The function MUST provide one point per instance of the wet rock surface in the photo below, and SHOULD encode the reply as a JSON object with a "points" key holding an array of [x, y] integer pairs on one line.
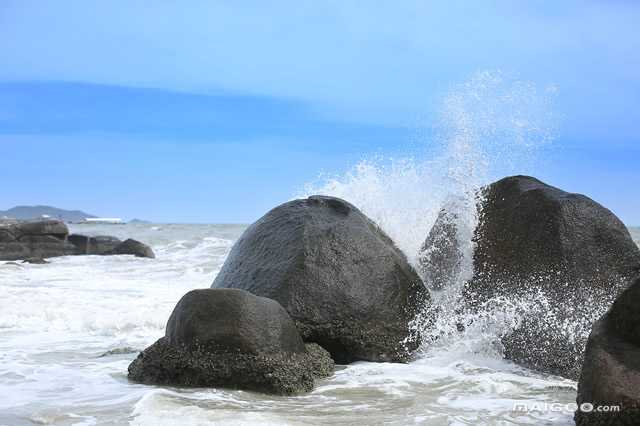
{"points": [[231, 338], [611, 370], [101, 244], [343, 281], [35, 261], [554, 259], [133, 247], [41, 239]]}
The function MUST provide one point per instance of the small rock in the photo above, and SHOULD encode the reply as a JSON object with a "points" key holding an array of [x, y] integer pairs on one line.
{"points": [[231, 338]]}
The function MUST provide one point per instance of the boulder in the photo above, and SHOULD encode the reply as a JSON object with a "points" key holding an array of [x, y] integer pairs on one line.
{"points": [[10, 248], [14, 250], [231, 338], [45, 246], [133, 247], [441, 260], [81, 242], [30, 246], [46, 238], [103, 244], [55, 228], [530, 229], [98, 245], [440, 256], [556, 259], [562, 254], [611, 370], [7, 235], [342, 280]]}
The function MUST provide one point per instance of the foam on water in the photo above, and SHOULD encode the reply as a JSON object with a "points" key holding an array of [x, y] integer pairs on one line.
{"points": [[59, 320]]}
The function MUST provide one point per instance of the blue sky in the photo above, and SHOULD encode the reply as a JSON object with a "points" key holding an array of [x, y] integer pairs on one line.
{"points": [[217, 111]]}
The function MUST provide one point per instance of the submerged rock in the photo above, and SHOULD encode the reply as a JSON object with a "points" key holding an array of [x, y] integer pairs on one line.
{"points": [[133, 247], [341, 278], [231, 338], [554, 260], [35, 261], [611, 370], [119, 351]]}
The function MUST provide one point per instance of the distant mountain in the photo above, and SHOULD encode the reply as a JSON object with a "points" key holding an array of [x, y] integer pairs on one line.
{"points": [[34, 212]]}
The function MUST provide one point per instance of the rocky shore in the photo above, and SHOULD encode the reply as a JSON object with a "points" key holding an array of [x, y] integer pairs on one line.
{"points": [[42, 239], [314, 281]]}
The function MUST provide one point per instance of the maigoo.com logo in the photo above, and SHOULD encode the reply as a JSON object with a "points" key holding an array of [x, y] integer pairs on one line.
{"points": [[585, 407]]}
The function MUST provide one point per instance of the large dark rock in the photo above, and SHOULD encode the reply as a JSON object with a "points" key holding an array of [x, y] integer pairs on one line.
{"points": [[98, 245], [133, 247], [562, 255], [441, 256], [556, 260], [45, 246], [103, 244], [530, 229], [81, 242], [34, 239], [7, 235], [54, 228], [342, 280], [14, 250], [611, 370], [231, 338]]}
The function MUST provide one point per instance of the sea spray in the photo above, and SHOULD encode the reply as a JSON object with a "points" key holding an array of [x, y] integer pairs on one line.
{"points": [[487, 127]]}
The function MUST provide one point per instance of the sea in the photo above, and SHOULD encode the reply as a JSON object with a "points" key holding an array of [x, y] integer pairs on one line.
{"points": [[70, 328]]}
